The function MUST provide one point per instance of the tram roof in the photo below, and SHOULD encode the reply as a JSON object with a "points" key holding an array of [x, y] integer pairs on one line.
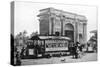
{"points": [[54, 37]]}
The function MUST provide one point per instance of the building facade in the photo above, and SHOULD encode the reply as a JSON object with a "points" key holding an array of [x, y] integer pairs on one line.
{"points": [[62, 23]]}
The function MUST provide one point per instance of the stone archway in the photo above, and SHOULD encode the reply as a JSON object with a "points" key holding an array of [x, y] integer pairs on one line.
{"points": [[69, 31]]}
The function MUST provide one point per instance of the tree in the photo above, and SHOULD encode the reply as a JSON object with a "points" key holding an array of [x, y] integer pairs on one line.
{"points": [[94, 37], [34, 35]]}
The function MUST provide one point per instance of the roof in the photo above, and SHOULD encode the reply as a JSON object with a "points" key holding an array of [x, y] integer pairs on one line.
{"points": [[61, 12], [93, 31], [54, 37]]}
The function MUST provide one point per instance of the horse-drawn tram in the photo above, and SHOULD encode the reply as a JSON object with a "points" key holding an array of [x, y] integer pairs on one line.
{"points": [[47, 48]]}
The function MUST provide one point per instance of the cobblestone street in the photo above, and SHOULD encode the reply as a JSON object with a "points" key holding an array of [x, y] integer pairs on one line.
{"points": [[66, 59]]}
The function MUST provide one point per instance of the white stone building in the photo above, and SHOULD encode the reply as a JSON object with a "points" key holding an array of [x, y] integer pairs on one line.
{"points": [[54, 21]]}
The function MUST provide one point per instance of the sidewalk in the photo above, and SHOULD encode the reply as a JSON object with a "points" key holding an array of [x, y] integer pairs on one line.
{"points": [[66, 59]]}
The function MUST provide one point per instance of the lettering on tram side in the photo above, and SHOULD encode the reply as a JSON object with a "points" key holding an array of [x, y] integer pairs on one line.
{"points": [[56, 45], [53, 45]]}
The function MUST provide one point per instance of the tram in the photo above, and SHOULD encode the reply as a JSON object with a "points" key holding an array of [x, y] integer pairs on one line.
{"points": [[92, 46], [48, 48]]}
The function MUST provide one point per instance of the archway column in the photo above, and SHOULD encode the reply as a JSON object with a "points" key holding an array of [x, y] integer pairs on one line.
{"points": [[62, 25], [84, 32], [76, 31]]}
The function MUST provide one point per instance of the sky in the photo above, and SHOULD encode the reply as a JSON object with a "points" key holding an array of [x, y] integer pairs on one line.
{"points": [[26, 15]]}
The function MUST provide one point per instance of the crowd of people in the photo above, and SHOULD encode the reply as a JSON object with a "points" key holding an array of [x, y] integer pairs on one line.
{"points": [[76, 50]]}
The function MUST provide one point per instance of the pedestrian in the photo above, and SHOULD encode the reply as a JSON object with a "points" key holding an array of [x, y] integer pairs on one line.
{"points": [[22, 52], [70, 48], [79, 50], [73, 50], [76, 49], [18, 59]]}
